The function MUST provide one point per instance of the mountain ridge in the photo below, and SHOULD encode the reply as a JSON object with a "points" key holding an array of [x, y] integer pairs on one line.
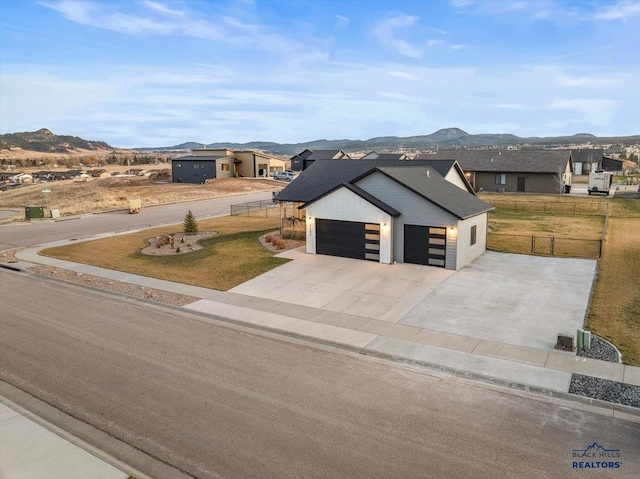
{"points": [[44, 141], [445, 138]]}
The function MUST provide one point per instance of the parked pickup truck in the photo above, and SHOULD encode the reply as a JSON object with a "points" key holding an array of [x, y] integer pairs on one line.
{"points": [[599, 182], [284, 175]]}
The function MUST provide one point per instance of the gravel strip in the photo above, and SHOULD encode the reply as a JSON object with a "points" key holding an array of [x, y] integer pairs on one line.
{"points": [[605, 390], [128, 289], [600, 349]]}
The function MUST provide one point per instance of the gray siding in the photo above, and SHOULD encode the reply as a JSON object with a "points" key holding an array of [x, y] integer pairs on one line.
{"points": [[192, 171], [534, 182], [415, 211]]}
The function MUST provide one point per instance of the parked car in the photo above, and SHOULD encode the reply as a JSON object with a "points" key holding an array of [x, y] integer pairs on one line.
{"points": [[284, 175]]}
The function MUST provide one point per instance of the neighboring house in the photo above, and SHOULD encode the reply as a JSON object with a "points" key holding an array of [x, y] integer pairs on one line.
{"points": [[390, 211], [512, 171], [586, 160], [611, 164], [304, 160], [208, 163], [384, 156]]}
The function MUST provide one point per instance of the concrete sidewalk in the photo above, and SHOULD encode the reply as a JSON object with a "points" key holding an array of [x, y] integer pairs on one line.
{"points": [[30, 451], [509, 364]]}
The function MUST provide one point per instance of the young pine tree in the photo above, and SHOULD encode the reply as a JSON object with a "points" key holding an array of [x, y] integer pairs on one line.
{"points": [[190, 224]]}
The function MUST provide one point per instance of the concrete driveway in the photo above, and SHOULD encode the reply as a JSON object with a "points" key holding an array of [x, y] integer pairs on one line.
{"points": [[507, 298]]}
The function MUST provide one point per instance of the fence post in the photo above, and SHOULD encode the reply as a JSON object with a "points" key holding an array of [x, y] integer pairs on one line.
{"points": [[600, 252], [533, 244], [553, 239]]}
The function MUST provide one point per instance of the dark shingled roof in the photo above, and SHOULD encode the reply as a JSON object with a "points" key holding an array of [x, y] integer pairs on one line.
{"points": [[390, 156], [437, 190], [587, 155], [325, 175], [322, 154], [362, 194], [505, 161]]}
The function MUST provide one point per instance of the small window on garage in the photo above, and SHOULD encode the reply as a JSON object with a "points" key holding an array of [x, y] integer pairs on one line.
{"points": [[224, 167], [501, 178], [474, 232]]}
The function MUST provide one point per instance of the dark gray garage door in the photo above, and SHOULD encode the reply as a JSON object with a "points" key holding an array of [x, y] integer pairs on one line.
{"points": [[425, 245], [348, 239]]}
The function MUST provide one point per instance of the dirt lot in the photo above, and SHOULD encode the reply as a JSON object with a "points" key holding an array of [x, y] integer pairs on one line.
{"points": [[74, 197]]}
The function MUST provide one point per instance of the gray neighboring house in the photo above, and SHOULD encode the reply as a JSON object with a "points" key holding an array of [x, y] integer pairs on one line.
{"points": [[586, 160], [199, 169], [391, 211], [611, 164], [305, 159], [512, 171]]}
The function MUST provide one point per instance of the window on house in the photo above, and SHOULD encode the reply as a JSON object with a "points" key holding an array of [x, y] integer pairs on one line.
{"points": [[224, 167], [474, 233], [501, 178]]}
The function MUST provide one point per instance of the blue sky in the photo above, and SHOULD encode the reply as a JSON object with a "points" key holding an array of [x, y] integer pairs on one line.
{"points": [[158, 73]]}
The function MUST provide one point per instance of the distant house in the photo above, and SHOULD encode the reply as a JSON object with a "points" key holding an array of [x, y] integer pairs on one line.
{"points": [[390, 211], [304, 160], [209, 163], [586, 160], [372, 155], [512, 171], [8, 176], [611, 164]]}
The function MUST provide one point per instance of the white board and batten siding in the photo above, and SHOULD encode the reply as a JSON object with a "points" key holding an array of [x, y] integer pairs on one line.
{"points": [[415, 211], [344, 205]]}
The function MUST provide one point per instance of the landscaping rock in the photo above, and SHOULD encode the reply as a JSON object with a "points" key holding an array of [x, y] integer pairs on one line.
{"points": [[600, 349], [605, 390]]}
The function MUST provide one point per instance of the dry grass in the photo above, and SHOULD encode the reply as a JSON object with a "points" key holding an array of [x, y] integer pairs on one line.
{"points": [[565, 235], [75, 197], [226, 260], [615, 307]]}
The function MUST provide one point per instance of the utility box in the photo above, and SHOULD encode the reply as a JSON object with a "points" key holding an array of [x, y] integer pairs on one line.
{"points": [[134, 205], [33, 212], [599, 182]]}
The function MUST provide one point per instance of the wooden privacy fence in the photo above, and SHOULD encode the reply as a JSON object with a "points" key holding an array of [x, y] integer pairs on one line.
{"points": [[545, 245], [597, 208]]}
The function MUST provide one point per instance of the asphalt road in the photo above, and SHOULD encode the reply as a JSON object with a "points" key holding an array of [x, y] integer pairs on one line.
{"points": [[36, 232], [219, 402]]}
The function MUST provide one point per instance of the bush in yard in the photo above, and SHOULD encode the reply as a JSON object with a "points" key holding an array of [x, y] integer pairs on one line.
{"points": [[280, 244], [274, 240], [268, 238], [190, 224], [181, 240], [178, 249]]}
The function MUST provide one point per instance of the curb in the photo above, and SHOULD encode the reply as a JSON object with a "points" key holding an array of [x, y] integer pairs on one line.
{"points": [[461, 374], [96, 442]]}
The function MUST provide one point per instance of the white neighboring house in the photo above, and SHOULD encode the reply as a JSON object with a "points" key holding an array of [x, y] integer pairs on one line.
{"points": [[391, 211]]}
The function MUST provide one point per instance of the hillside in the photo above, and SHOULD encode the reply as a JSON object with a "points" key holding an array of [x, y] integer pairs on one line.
{"points": [[444, 138], [44, 141]]}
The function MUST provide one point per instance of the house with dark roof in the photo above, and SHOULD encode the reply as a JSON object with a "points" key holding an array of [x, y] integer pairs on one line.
{"points": [[586, 160], [391, 211], [374, 155], [611, 164], [512, 171], [209, 163], [305, 159]]}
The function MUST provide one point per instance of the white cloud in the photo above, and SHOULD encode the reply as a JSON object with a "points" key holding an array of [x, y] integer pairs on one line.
{"points": [[159, 7], [386, 33], [342, 21], [434, 42], [401, 74], [457, 46], [597, 112], [623, 10]]}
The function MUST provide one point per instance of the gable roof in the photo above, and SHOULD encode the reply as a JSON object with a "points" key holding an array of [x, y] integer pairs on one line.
{"points": [[325, 154], [324, 175], [506, 161], [587, 155], [362, 194], [435, 189]]}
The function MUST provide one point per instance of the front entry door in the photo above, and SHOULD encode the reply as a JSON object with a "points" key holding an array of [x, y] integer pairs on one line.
{"points": [[521, 181]]}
